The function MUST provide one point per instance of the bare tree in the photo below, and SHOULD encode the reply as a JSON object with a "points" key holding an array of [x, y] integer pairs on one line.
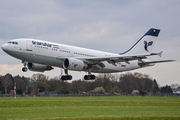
{"points": [[39, 77], [7, 81]]}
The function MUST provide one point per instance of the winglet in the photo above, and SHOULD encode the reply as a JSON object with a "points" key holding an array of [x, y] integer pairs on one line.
{"points": [[160, 54]]}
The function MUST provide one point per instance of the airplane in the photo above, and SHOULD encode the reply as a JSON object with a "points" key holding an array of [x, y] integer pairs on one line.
{"points": [[40, 56]]}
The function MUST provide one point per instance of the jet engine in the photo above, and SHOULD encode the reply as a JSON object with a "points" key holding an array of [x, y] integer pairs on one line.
{"points": [[74, 64], [38, 67]]}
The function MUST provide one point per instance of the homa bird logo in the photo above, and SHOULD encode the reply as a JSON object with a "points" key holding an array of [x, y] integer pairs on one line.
{"points": [[75, 65], [147, 44]]}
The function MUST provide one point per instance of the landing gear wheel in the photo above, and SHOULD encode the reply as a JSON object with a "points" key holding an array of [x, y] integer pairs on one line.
{"points": [[86, 77], [66, 77], [89, 77], [92, 77], [24, 69], [69, 77]]}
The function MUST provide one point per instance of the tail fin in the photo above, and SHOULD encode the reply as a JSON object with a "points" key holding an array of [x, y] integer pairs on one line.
{"points": [[144, 44]]}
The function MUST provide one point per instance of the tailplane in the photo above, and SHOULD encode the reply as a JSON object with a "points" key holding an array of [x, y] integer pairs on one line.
{"points": [[144, 44]]}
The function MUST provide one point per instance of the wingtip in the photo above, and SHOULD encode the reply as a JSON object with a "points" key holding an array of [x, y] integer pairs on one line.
{"points": [[160, 53]]}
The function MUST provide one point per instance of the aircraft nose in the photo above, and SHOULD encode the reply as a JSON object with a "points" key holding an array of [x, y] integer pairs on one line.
{"points": [[4, 47]]}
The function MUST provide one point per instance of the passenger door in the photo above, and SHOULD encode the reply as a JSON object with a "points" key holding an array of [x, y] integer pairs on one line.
{"points": [[28, 45]]}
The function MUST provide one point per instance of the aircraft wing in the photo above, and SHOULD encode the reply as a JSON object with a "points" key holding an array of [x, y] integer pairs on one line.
{"points": [[113, 59]]}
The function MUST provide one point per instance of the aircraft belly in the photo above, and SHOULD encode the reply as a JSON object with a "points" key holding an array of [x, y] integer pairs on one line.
{"points": [[52, 61], [41, 59]]}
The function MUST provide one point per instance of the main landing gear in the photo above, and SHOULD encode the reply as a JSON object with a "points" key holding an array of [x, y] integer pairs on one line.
{"points": [[24, 69], [66, 77], [89, 76], [69, 77]]}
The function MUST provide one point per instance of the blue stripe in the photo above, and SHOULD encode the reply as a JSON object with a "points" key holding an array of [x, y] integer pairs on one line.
{"points": [[151, 32]]}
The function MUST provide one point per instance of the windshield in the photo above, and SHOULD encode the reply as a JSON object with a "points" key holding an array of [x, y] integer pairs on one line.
{"points": [[13, 42]]}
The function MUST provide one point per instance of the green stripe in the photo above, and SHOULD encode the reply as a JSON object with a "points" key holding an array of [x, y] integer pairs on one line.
{"points": [[55, 45]]}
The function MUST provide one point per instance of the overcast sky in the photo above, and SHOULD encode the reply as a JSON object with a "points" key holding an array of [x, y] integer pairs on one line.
{"points": [[106, 25]]}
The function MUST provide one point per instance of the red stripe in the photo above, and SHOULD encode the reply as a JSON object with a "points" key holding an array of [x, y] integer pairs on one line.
{"points": [[56, 47]]}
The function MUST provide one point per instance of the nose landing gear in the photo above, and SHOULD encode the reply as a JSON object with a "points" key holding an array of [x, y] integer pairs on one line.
{"points": [[24, 69]]}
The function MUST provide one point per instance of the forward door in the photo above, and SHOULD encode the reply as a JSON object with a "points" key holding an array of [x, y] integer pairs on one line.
{"points": [[28, 45]]}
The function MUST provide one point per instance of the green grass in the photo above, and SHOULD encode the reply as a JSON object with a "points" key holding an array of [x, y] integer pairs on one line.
{"points": [[87, 108]]}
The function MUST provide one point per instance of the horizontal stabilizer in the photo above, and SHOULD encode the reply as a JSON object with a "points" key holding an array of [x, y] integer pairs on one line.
{"points": [[149, 62]]}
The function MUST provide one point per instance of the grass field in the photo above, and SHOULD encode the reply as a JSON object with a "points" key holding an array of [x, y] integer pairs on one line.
{"points": [[87, 108]]}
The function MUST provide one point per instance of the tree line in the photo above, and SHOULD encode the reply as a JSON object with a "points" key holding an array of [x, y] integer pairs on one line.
{"points": [[105, 83]]}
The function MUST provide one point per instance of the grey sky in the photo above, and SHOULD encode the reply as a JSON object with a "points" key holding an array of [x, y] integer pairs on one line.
{"points": [[107, 25]]}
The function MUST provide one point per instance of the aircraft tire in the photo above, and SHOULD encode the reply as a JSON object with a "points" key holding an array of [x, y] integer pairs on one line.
{"points": [[66, 77], [24, 69], [89, 77]]}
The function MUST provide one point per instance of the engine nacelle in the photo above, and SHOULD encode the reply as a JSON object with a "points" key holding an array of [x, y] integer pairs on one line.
{"points": [[38, 67], [74, 64]]}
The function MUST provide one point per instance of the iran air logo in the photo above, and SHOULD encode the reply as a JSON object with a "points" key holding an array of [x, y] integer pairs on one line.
{"points": [[147, 44]]}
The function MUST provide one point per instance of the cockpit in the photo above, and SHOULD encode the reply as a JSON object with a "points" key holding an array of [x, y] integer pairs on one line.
{"points": [[11, 45], [13, 42]]}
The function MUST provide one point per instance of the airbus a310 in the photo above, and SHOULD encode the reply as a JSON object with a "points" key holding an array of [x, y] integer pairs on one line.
{"points": [[40, 56]]}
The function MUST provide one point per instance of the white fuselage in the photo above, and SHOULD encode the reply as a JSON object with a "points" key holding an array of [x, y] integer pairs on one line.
{"points": [[46, 53], [40, 56]]}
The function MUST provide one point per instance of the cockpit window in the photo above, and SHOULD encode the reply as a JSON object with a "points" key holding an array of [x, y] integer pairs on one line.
{"points": [[10, 42], [15, 43]]}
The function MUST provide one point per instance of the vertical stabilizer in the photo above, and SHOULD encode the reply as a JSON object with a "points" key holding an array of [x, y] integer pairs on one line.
{"points": [[144, 44]]}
